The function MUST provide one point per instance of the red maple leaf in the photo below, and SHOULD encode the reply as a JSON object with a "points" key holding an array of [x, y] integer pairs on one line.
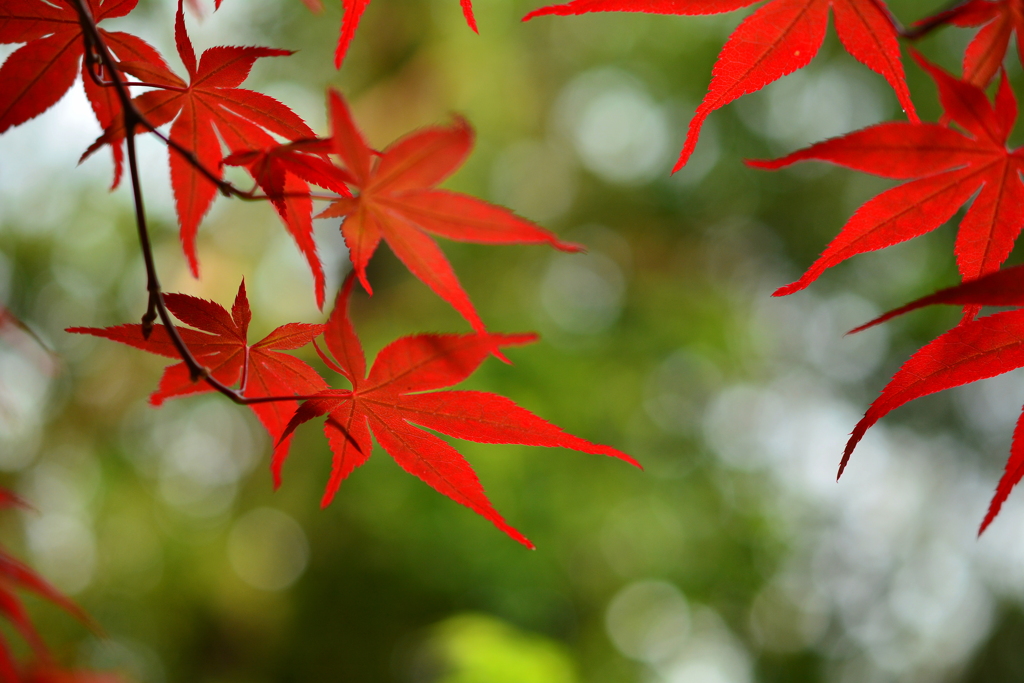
{"points": [[949, 168], [398, 203], [38, 74], [973, 350], [354, 12], [16, 575], [219, 342], [210, 104], [779, 38], [999, 21], [389, 400], [284, 172]]}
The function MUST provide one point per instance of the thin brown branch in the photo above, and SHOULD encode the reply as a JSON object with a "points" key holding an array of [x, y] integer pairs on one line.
{"points": [[226, 187], [99, 55]]}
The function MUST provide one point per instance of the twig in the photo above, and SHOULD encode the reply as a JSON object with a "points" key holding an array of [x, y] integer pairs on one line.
{"points": [[99, 55]]}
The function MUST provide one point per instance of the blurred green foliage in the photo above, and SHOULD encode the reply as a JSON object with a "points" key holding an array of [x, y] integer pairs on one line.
{"points": [[578, 120]]}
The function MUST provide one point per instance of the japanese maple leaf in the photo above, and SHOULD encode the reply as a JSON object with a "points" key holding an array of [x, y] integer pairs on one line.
{"points": [[210, 104], [398, 202], [38, 74], [390, 399], [16, 575], [973, 350], [220, 343], [354, 12], [284, 172], [985, 53], [948, 168], [779, 38]]}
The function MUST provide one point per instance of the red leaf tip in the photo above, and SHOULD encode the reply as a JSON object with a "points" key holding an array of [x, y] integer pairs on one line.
{"points": [[791, 288]]}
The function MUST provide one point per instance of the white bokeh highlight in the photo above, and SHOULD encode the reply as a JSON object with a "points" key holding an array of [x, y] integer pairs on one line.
{"points": [[618, 130]]}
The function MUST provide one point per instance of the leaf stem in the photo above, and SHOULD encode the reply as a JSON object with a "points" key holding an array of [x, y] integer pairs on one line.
{"points": [[145, 84]]}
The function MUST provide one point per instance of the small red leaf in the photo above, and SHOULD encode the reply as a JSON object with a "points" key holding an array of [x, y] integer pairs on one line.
{"points": [[999, 21], [219, 343], [209, 107]]}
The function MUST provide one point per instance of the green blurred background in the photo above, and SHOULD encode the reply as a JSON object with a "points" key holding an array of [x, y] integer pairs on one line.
{"points": [[733, 558]]}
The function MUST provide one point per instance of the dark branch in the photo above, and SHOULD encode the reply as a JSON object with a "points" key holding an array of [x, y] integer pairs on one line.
{"points": [[98, 55]]}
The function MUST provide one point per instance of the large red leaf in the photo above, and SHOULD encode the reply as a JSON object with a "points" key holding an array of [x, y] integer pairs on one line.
{"points": [[40, 72], [397, 202], [779, 38], [210, 105], [387, 403], [949, 168], [219, 342]]}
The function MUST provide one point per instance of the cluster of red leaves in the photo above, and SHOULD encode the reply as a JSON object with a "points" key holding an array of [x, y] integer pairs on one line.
{"points": [[946, 168], [389, 195], [383, 402], [396, 198], [209, 105], [392, 196]]}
